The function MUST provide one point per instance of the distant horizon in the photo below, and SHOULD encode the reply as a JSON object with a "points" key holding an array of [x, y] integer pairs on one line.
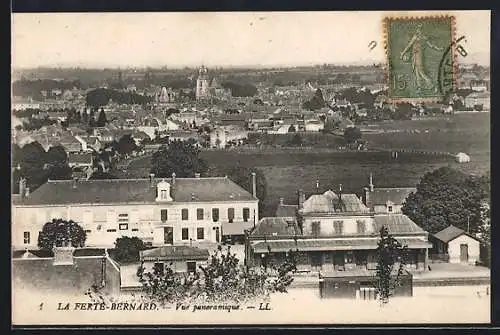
{"points": [[242, 39], [367, 63]]}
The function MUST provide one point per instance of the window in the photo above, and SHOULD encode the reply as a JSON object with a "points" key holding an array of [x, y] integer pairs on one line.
{"points": [[185, 214], [159, 268], [361, 226], [316, 228], [123, 226], [122, 218], [88, 231], [26, 237], [215, 214], [230, 215], [199, 214], [200, 233], [163, 194], [191, 267], [164, 215], [389, 208], [135, 229], [246, 214], [111, 230], [338, 226], [185, 233]]}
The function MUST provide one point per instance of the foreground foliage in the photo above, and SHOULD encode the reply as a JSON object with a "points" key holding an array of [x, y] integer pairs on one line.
{"points": [[222, 279], [391, 262]]}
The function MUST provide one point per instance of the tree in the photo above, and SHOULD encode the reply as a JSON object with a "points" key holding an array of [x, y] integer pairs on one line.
{"points": [[352, 135], [59, 232], [446, 197], [56, 155], [390, 254], [59, 172], [223, 279], [126, 145], [181, 157], [127, 249], [101, 120]]}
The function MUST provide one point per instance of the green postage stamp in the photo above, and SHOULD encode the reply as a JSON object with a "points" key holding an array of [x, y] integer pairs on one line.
{"points": [[420, 58]]}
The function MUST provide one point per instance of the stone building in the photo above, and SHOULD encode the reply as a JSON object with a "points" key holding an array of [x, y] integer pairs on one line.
{"points": [[170, 211]]}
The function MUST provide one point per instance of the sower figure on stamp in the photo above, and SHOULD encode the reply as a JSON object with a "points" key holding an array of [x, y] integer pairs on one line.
{"points": [[415, 46]]}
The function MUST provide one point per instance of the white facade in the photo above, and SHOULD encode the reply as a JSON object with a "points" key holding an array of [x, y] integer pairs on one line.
{"points": [[330, 225], [107, 222], [461, 244]]}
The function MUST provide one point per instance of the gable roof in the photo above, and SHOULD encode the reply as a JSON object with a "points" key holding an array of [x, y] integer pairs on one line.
{"points": [[170, 253], [397, 224], [80, 158], [274, 226], [396, 195], [59, 192], [330, 202], [450, 233]]}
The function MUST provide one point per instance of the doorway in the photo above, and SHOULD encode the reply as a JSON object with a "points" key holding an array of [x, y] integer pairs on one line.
{"points": [[168, 235], [464, 253]]}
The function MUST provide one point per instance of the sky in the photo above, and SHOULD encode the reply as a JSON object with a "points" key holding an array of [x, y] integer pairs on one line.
{"points": [[216, 38]]}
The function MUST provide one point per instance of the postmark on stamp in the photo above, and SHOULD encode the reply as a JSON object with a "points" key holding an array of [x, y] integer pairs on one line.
{"points": [[420, 58]]}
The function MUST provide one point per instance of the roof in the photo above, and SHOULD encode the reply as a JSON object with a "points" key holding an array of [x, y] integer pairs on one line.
{"points": [[286, 210], [171, 253], [55, 192], [450, 233], [397, 224], [235, 228], [330, 202], [396, 195], [80, 158], [332, 244], [276, 226]]}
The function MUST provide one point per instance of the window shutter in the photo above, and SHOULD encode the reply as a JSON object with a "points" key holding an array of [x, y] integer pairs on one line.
{"points": [[111, 220]]}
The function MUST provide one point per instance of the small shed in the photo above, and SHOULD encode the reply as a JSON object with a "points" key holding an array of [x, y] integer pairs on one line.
{"points": [[462, 158], [460, 246]]}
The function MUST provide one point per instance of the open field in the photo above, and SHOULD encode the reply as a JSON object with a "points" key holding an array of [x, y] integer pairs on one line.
{"points": [[286, 172]]}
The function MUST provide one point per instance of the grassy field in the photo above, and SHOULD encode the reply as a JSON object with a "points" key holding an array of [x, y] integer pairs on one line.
{"points": [[287, 172]]}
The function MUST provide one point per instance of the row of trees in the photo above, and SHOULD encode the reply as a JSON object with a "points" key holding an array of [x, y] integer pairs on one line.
{"points": [[102, 96], [240, 89], [33, 88]]}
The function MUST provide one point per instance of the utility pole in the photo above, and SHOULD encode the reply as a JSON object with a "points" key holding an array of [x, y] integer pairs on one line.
{"points": [[468, 224]]}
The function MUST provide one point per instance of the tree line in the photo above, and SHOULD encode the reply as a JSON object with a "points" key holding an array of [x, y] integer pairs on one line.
{"points": [[101, 97]]}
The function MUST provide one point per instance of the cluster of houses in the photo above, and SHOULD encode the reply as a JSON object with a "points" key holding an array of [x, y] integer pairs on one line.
{"points": [[181, 219]]}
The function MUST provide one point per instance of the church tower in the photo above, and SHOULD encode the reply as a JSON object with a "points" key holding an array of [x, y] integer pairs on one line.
{"points": [[202, 84]]}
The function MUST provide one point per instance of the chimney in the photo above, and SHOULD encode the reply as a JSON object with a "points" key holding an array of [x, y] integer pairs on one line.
{"points": [[282, 201], [63, 255], [301, 198], [254, 185], [340, 192], [317, 185], [152, 179], [197, 175], [22, 187], [173, 178], [371, 183], [27, 192]]}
